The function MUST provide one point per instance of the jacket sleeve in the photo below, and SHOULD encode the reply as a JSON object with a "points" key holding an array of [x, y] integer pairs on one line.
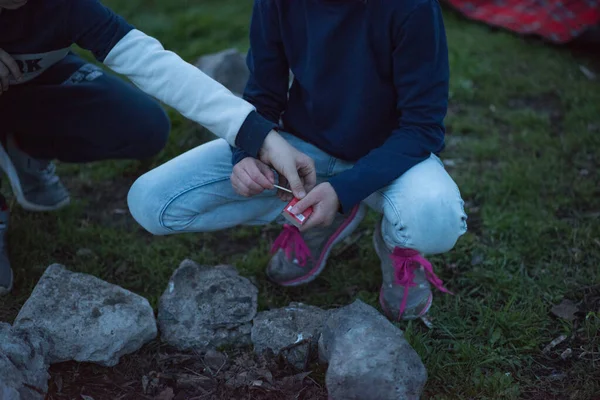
{"points": [[267, 87], [421, 75], [165, 76]]}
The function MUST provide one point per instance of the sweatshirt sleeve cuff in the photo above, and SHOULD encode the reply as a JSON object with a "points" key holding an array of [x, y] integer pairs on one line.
{"points": [[237, 155], [253, 132], [347, 197]]}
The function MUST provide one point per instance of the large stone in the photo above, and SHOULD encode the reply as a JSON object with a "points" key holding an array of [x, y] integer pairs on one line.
{"points": [[292, 331], [9, 392], [88, 320], [368, 357], [228, 67], [207, 307], [23, 367]]}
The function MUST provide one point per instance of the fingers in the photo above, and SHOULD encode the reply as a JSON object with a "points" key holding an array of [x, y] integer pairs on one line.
{"points": [[316, 218], [242, 183], [265, 175], [284, 196], [242, 188], [288, 162], [238, 186], [324, 203], [307, 170], [249, 182], [311, 199], [305, 177], [251, 177], [11, 64], [294, 181]]}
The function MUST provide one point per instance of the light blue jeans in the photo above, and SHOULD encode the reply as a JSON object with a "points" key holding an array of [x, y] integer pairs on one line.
{"points": [[422, 210]]}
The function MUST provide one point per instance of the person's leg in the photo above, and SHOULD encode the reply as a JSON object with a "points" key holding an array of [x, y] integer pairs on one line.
{"points": [[423, 214], [300, 258], [74, 112], [193, 193]]}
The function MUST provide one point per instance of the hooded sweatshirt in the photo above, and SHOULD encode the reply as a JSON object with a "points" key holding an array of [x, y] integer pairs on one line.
{"points": [[370, 83]]}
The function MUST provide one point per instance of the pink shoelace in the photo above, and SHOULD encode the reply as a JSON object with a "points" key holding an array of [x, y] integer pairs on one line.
{"points": [[406, 261], [291, 241]]}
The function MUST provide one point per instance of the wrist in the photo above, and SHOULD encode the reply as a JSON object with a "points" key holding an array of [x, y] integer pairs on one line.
{"points": [[252, 135], [268, 145], [337, 198]]}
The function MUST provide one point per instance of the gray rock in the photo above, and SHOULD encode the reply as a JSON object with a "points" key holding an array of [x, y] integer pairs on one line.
{"points": [[23, 368], [281, 329], [369, 358], [9, 393], [88, 320], [207, 307], [228, 67]]}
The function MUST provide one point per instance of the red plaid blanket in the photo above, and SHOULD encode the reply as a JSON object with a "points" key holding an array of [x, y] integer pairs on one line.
{"points": [[555, 20]]}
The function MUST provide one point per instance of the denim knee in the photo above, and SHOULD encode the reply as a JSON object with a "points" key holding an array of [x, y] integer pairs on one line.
{"points": [[146, 205], [430, 223]]}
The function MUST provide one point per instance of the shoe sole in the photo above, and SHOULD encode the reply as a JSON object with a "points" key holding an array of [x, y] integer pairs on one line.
{"points": [[5, 291], [386, 311], [349, 225], [11, 172]]}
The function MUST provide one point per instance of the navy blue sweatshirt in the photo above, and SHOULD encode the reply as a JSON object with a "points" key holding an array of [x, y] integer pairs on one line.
{"points": [[370, 82], [42, 31]]}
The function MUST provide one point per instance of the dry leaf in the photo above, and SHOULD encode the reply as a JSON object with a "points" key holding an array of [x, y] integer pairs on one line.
{"points": [[565, 310]]}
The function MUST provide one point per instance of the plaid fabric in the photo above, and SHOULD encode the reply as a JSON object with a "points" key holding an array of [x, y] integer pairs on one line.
{"points": [[555, 20]]}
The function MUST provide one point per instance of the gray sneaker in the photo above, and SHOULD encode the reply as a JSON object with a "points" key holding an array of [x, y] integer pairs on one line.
{"points": [[300, 258], [34, 182], [6, 274], [405, 292]]}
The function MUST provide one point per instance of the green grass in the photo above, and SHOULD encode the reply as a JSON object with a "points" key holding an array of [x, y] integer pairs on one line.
{"points": [[524, 138]]}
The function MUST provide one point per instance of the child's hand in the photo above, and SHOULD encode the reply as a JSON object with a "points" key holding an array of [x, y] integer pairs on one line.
{"points": [[325, 204], [251, 177], [8, 67], [297, 168]]}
